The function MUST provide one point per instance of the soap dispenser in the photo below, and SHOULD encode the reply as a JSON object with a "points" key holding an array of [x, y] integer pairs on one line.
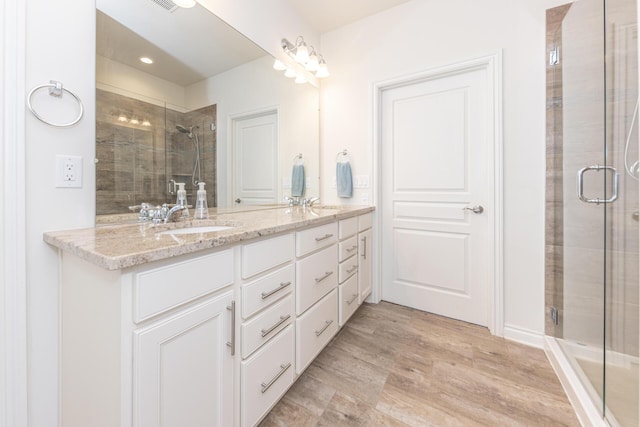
{"points": [[202, 210], [182, 198]]}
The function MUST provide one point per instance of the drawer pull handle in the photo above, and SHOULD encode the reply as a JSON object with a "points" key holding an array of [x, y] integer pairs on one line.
{"points": [[325, 237], [352, 248], [364, 247], [324, 328], [283, 319], [232, 343], [352, 299], [326, 274], [283, 369], [352, 269], [283, 285]]}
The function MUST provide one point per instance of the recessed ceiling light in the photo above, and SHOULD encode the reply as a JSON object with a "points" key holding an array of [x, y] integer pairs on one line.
{"points": [[146, 60], [185, 3]]}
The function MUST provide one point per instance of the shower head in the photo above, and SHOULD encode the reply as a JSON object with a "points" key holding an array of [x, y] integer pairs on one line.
{"points": [[184, 130]]}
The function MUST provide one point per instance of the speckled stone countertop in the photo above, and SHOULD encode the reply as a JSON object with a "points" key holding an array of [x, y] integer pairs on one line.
{"points": [[118, 246]]}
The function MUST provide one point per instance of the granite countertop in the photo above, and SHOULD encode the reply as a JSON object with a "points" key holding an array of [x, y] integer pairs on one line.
{"points": [[118, 246]]}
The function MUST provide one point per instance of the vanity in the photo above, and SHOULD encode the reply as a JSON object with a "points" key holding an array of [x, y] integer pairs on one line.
{"points": [[161, 327]]}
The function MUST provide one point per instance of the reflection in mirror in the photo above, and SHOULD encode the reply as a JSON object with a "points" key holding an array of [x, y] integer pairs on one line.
{"points": [[209, 107]]}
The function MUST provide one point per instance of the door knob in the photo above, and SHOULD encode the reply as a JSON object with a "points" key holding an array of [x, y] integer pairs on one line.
{"points": [[238, 200], [478, 209]]}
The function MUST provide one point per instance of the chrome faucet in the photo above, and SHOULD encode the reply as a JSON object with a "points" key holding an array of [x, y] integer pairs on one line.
{"points": [[310, 202], [175, 213]]}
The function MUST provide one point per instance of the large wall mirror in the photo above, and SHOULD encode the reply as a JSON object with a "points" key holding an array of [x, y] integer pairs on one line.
{"points": [[209, 107]]}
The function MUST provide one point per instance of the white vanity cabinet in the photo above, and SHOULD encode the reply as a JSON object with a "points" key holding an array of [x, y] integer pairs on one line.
{"points": [[150, 345], [365, 253], [183, 369], [268, 310], [348, 295], [211, 338]]}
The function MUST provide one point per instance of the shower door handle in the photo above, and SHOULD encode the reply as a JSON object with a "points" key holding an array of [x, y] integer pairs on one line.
{"points": [[598, 168]]}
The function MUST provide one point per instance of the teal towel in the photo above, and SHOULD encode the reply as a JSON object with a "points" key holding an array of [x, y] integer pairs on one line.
{"points": [[344, 180], [297, 181]]}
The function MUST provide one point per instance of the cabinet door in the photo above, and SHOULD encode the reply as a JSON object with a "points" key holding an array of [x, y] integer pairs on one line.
{"points": [[365, 253], [183, 368]]}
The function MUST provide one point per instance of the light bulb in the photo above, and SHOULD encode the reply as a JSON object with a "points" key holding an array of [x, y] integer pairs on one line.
{"points": [[146, 60], [300, 79], [122, 118], [323, 71], [146, 122], [278, 65], [290, 73], [185, 3], [134, 121], [312, 64], [302, 53]]}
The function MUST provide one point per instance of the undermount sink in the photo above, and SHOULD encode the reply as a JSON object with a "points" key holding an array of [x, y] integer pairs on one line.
{"points": [[196, 230]]}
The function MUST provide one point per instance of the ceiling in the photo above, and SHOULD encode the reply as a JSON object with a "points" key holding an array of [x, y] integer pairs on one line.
{"points": [[327, 15]]}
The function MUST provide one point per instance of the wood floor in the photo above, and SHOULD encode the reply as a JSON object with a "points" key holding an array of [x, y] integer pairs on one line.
{"points": [[395, 366]]}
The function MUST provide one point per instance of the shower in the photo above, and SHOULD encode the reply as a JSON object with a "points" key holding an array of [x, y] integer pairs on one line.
{"points": [[194, 138]]}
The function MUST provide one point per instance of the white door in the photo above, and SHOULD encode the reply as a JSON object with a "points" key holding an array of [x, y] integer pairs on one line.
{"points": [[435, 153], [255, 152], [183, 369]]}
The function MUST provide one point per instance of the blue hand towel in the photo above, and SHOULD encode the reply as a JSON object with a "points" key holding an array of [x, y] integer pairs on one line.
{"points": [[297, 181], [344, 180]]}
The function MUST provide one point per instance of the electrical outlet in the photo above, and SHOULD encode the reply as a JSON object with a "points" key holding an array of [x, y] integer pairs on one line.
{"points": [[68, 171]]}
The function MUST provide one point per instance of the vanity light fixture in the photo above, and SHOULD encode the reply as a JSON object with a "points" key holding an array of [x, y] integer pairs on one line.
{"points": [[146, 60], [185, 3], [278, 65], [308, 57]]}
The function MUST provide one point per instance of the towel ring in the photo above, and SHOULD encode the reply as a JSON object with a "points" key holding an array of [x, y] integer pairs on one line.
{"points": [[297, 158], [55, 89], [342, 153]]}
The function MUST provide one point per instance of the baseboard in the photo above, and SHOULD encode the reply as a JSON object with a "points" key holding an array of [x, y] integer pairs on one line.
{"points": [[524, 336], [587, 413]]}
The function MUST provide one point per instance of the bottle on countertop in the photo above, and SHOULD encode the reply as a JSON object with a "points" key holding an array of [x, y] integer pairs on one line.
{"points": [[182, 198], [202, 210]]}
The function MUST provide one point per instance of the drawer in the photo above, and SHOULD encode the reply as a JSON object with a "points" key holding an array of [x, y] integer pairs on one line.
{"points": [[347, 269], [311, 240], [348, 248], [172, 283], [266, 254], [349, 299], [266, 376], [315, 328], [347, 227], [365, 221], [316, 276], [266, 325], [266, 290]]}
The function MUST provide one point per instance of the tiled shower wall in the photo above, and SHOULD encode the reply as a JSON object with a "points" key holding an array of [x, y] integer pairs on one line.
{"points": [[135, 162]]}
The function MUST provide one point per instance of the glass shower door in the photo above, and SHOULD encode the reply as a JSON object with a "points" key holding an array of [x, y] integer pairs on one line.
{"points": [[596, 85]]}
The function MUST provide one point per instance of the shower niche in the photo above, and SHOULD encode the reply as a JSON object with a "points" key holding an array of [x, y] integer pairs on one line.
{"points": [[145, 147]]}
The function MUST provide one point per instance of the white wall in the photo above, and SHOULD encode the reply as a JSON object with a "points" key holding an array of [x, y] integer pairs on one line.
{"points": [[257, 87], [60, 46], [423, 34]]}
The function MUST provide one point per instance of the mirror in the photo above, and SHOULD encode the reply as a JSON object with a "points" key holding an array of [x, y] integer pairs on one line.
{"points": [[210, 108]]}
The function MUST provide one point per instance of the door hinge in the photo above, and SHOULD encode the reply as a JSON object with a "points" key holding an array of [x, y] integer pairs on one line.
{"points": [[553, 312]]}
